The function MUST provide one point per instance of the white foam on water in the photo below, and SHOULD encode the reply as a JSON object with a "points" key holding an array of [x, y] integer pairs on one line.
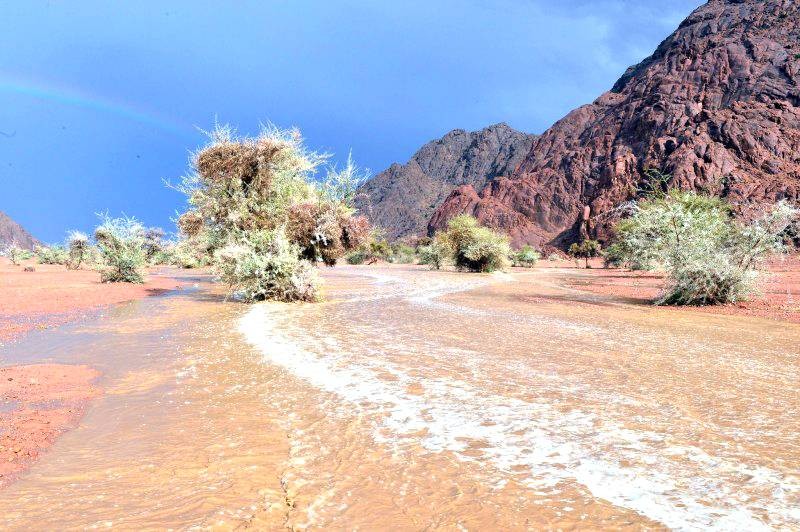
{"points": [[555, 446]]}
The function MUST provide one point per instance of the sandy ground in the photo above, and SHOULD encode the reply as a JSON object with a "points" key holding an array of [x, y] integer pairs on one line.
{"points": [[417, 400], [53, 295], [38, 402], [779, 298]]}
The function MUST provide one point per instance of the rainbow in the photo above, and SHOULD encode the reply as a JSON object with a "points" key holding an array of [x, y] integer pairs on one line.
{"points": [[71, 96]]}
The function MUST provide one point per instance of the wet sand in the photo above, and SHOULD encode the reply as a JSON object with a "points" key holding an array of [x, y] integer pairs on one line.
{"points": [[39, 402], [414, 400], [53, 295]]}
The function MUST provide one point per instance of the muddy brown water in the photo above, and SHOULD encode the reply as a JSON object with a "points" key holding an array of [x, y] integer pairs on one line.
{"points": [[415, 400]]}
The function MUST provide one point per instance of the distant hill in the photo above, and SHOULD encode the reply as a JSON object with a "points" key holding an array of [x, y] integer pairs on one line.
{"points": [[402, 198], [12, 232], [717, 105]]}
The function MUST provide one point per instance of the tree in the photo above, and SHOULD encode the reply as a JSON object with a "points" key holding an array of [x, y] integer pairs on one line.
{"points": [[585, 250], [78, 246], [261, 216], [153, 242], [121, 245], [526, 257], [15, 253], [708, 255]]}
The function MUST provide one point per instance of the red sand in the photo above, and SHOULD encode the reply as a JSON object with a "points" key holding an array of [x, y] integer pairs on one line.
{"points": [[38, 402], [53, 295], [779, 298]]}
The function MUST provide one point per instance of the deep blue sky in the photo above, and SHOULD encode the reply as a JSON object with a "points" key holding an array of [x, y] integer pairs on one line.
{"points": [[99, 100]]}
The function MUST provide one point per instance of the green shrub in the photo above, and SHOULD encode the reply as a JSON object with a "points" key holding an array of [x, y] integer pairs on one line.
{"points": [[474, 247], [51, 255], [256, 201], [525, 257], [121, 245], [709, 256], [402, 254], [16, 254], [437, 254], [380, 249], [78, 246], [356, 257], [265, 265], [584, 250]]}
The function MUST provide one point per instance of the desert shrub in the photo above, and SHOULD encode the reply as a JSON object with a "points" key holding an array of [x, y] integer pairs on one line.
{"points": [[437, 254], [266, 265], [709, 256], [614, 255], [620, 254], [164, 256], [356, 257], [584, 250], [380, 249], [78, 246], [186, 254], [402, 254], [153, 242], [51, 255], [474, 247], [121, 245], [525, 257], [190, 223], [372, 245], [255, 201], [16, 254], [326, 230]]}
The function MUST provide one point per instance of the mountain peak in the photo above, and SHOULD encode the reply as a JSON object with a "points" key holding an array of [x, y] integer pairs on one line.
{"points": [[403, 198], [717, 105], [13, 233]]}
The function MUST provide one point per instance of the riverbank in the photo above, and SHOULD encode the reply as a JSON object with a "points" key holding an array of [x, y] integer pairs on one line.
{"points": [[40, 402], [779, 297], [52, 295]]}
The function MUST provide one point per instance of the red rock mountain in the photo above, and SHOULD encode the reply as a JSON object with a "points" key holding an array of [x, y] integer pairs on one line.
{"points": [[11, 232], [402, 199], [717, 106]]}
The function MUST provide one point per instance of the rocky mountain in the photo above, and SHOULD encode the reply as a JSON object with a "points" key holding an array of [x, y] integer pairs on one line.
{"points": [[402, 199], [12, 232], [717, 106]]}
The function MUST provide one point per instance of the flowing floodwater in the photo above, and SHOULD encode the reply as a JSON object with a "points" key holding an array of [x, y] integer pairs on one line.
{"points": [[411, 399]]}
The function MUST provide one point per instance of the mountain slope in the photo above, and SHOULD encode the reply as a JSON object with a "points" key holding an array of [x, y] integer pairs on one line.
{"points": [[402, 198], [716, 106], [12, 232]]}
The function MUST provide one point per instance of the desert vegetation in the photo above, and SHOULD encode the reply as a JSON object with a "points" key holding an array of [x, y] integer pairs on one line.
{"points": [[120, 242], [79, 248], [708, 255], [586, 249], [468, 246], [16, 254], [54, 254], [525, 257], [261, 218]]}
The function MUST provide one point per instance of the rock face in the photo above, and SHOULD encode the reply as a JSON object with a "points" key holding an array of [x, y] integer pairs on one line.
{"points": [[402, 199], [717, 106], [11, 232]]}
